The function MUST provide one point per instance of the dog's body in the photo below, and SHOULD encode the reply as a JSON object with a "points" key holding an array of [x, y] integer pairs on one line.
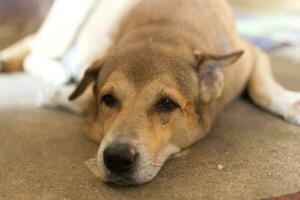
{"points": [[167, 69]]}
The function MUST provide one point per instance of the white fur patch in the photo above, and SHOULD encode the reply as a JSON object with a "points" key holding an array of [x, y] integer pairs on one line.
{"points": [[61, 27], [287, 105], [49, 70], [96, 36]]}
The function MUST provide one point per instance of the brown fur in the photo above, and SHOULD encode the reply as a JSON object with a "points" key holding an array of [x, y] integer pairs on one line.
{"points": [[185, 50], [158, 40]]}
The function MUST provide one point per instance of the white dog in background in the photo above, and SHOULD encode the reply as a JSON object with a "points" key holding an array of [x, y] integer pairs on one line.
{"points": [[68, 41]]}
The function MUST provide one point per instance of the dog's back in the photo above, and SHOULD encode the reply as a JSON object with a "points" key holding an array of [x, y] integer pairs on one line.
{"points": [[205, 26]]}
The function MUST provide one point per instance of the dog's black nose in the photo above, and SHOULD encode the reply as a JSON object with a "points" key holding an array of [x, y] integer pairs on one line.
{"points": [[120, 158]]}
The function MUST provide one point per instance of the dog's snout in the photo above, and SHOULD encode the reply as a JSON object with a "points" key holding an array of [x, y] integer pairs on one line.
{"points": [[120, 158]]}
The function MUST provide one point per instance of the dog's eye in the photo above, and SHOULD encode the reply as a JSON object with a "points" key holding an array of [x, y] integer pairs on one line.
{"points": [[109, 100], [166, 105]]}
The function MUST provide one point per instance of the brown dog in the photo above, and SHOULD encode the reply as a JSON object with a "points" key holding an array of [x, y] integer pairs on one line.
{"points": [[173, 66]]}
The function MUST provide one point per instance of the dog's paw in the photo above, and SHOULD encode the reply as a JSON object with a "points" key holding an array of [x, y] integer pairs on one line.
{"points": [[287, 105], [293, 114], [50, 71]]}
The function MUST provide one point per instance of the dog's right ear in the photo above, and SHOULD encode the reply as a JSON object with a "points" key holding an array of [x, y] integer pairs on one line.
{"points": [[210, 76], [90, 76]]}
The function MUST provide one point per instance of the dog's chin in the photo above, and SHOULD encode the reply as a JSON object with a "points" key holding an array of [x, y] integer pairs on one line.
{"points": [[120, 181], [116, 180]]}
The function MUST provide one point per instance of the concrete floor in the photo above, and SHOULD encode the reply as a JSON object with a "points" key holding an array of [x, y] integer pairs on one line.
{"points": [[42, 154]]}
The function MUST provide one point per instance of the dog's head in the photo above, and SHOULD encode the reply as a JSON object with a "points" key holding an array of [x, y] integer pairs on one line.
{"points": [[152, 102]]}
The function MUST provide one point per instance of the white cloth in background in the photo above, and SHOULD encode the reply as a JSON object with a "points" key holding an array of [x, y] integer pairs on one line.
{"points": [[74, 34]]}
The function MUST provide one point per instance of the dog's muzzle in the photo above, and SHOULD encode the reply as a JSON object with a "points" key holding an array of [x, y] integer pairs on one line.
{"points": [[130, 163]]}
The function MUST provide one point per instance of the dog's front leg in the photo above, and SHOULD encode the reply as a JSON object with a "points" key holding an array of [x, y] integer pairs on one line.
{"points": [[269, 94]]}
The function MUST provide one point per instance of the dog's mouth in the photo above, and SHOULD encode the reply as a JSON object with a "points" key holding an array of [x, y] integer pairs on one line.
{"points": [[121, 180], [137, 177]]}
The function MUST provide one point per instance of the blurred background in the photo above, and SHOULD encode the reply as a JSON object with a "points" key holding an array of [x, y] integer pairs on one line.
{"points": [[271, 24], [274, 25], [19, 18], [267, 5]]}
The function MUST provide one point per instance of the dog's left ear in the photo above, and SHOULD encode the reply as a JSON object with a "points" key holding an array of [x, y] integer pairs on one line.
{"points": [[211, 78], [90, 76]]}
